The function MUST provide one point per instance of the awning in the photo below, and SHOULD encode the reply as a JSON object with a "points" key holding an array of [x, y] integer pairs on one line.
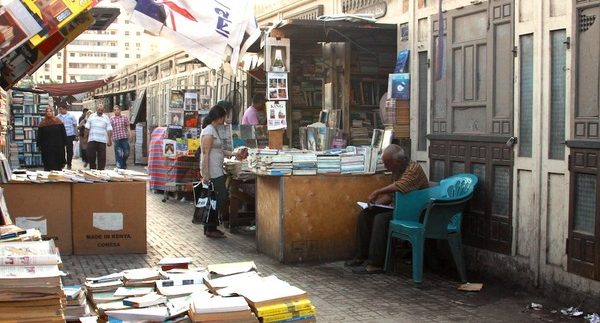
{"points": [[362, 33], [66, 89]]}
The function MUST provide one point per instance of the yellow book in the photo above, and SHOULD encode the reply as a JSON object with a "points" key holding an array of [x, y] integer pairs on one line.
{"points": [[193, 145], [299, 305], [289, 315]]}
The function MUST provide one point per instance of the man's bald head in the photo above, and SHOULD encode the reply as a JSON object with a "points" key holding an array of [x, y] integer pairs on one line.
{"points": [[394, 158]]}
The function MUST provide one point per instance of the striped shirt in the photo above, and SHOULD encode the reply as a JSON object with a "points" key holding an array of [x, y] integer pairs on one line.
{"points": [[70, 123], [98, 127], [412, 179], [120, 125]]}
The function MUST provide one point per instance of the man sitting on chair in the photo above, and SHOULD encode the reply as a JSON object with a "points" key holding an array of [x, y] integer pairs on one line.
{"points": [[373, 222]]}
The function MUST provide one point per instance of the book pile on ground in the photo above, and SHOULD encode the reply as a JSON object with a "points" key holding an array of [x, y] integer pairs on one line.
{"points": [[167, 264], [304, 163], [274, 300], [30, 284], [207, 308], [76, 305], [147, 293], [352, 163], [11, 232], [328, 164], [142, 277]]}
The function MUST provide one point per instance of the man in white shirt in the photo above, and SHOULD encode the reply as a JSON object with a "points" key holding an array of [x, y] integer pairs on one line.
{"points": [[70, 123], [98, 135]]}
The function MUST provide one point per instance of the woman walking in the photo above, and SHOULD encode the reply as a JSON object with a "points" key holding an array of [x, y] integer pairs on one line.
{"points": [[51, 140]]}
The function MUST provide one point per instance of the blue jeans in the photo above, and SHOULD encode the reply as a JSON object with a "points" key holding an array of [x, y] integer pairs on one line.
{"points": [[121, 152]]}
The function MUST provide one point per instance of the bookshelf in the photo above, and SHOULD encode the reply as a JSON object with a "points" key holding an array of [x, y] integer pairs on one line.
{"points": [[368, 83], [306, 90], [27, 110]]}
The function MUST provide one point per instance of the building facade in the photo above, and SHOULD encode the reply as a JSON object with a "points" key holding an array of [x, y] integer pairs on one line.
{"points": [[516, 102]]}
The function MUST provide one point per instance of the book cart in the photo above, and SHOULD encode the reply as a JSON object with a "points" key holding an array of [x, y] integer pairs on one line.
{"points": [[338, 73]]}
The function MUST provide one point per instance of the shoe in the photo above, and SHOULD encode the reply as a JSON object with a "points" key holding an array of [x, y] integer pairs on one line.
{"points": [[215, 234], [354, 262], [362, 270]]}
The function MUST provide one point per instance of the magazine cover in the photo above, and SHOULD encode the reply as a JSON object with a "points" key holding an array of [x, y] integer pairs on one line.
{"points": [[176, 118], [176, 101], [399, 86], [169, 147], [190, 102], [190, 119]]}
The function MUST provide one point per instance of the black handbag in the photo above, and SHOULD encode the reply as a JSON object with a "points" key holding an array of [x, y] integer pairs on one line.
{"points": [[205, 198]]}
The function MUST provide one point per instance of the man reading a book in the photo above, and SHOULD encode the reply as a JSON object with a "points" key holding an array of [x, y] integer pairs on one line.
{"points": [[373, 222]]}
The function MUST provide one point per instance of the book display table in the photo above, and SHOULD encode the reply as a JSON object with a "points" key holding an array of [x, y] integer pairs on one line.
{"points": [[311, 218]]}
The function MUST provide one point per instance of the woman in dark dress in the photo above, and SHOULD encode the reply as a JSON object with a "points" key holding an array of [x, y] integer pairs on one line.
{"points": [[52, 139]]}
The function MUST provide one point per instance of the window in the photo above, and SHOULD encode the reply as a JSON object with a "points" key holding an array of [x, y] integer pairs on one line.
{"points": [[112, 67], [127, 33], [126, 55], [58, 77], [126, 44], [137, 33], [526, 97], [557, 95], [58, 65], [138, 56]]}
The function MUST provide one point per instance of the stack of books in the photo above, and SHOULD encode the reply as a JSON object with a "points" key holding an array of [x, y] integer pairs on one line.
{"points": [[30, 284], [76, 305], [304, 163], [352, 163], [270, 299], [207, 308], [370, 158], [280, 164], [328, 164]]}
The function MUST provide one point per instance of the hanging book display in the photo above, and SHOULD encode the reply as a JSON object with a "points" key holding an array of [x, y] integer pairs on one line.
{"points": [[277, 86], [277, 58], [276, 115]]}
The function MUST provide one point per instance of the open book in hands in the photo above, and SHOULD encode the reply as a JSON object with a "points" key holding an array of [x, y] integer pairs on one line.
{"points": [[365, 205]]}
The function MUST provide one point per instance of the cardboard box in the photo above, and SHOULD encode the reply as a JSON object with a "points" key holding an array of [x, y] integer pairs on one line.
{"points": [[46, 207], [109, 218]]}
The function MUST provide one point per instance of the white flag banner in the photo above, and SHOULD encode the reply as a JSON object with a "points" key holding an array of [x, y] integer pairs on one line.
{"points": [[210, 30]]}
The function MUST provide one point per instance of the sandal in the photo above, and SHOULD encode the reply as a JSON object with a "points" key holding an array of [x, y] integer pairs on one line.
{"points": [[215, 234], [364, 271], [354, 262]]}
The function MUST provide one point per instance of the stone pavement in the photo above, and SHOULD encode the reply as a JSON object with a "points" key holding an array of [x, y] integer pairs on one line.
{"points": [[338, 294]]}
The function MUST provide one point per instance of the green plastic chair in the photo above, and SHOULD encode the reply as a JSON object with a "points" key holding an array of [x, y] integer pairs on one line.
{"points": [[434, 213]]}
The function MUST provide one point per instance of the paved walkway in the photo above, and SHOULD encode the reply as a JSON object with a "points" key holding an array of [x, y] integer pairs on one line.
{"points": [[338, 294]]}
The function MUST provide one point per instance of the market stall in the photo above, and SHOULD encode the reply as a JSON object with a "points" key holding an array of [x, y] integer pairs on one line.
{"points": [[311, 218]]}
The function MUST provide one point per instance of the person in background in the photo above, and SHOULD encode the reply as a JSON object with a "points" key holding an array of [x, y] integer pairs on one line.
{"points": [[84, 114], [228, 108], [82, 143], [373, 223], [211, 164], [98, 135], [51, 140], [251, 116], [120, 126], [70, 123]]}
